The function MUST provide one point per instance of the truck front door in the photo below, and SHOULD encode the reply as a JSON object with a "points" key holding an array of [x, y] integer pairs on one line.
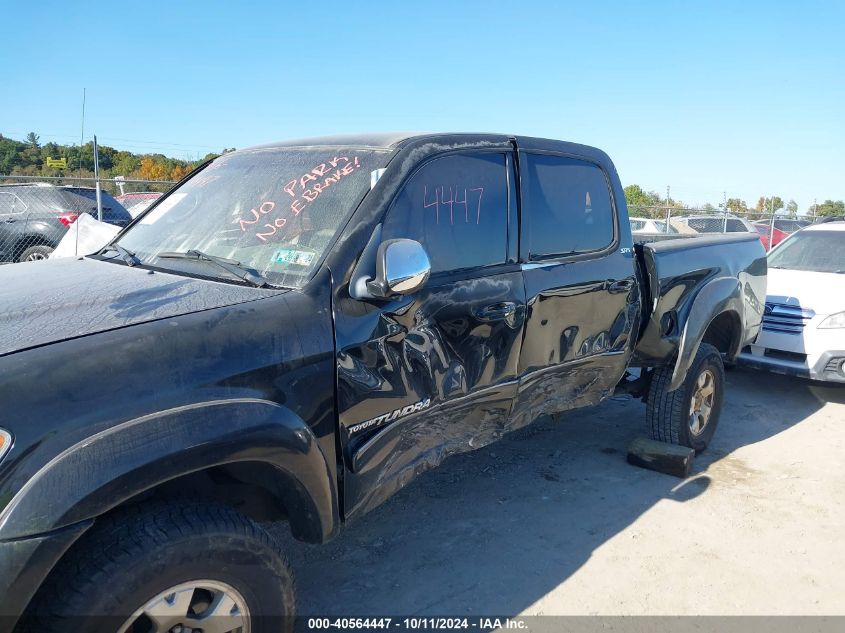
{"points": [[580, 285], [433, 373]]}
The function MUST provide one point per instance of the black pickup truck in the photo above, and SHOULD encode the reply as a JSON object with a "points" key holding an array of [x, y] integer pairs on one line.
{"points": [[298, 330]]}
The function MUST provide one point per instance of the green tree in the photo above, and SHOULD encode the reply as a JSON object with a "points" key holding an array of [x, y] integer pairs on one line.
{"points": [[737, 205], [831, 207], [641, 202], [792, 209], [770, 205], [32, 139], [125, 164]]}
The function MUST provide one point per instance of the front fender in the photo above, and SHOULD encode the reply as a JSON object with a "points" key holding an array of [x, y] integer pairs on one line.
{"points": [[716, 297], [104, 470]]}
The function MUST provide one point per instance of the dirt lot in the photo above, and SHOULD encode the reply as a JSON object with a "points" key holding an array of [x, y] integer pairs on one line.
{"points": [[552, 520]]}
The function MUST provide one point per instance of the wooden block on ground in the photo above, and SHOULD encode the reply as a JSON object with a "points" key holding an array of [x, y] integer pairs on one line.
{"points": [[670, 459]]}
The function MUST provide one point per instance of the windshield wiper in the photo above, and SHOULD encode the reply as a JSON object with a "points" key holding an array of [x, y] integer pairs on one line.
{"points": [[126, 255], [229, 265]]}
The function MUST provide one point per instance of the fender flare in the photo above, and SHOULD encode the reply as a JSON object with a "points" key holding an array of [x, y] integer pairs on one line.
{"points": [[715, 298], [106, 469]]}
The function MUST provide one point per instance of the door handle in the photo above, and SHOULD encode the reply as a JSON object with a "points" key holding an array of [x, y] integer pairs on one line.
{"points": [[618, 287], [496, 311]]}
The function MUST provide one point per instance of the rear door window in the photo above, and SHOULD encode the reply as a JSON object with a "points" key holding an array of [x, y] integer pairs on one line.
{"points": [[456, 206], [83, 199], [567, 207], [10, 204]]}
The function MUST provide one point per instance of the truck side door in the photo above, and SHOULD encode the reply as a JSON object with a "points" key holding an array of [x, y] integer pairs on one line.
{"points": [[12, 224], [580, 284], [434, 372]]}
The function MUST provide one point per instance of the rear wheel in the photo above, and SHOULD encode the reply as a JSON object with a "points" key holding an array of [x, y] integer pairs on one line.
{"points": [[35, 253], [689, 415], [168, 568]]}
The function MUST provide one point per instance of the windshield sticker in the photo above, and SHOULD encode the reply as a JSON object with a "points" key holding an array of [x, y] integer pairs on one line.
{"points": [[439, 198], [295, 257], [163, 207], [375, 175]]}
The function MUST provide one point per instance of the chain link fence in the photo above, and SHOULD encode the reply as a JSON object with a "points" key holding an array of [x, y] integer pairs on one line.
{"points": [[660, 222], [37, 212]]}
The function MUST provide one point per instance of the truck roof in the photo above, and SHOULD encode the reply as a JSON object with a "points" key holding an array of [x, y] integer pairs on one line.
{"points": [[396, 140], [435, 141]]}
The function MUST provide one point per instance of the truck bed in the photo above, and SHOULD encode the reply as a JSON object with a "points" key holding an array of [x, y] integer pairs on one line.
{"points": [[676, 272]]}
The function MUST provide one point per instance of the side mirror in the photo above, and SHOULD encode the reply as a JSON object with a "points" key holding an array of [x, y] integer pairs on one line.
{"points": [[402, 267]]}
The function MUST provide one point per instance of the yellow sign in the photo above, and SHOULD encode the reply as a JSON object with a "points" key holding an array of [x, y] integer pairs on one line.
{"points": [[61, 163]]}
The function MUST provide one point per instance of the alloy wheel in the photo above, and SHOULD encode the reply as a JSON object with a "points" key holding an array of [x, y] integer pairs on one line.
{"points": [[206, 606]]}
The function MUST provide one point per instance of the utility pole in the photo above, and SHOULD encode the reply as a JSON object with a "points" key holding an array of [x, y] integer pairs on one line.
{"points": [[771, 221], [725, 211], [97, 181], [668, 210]]}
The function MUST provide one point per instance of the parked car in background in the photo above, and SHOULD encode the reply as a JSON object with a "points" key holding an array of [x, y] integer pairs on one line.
{"points": [[829, 218], [769, 234], [650, 225], [138, 201], [790, 225], [803, 330], [716, 224], [35, 217]]}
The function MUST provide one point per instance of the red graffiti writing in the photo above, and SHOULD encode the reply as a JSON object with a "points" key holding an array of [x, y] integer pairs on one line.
{"points": [[264, 209], [304, 190], [307, 188]]}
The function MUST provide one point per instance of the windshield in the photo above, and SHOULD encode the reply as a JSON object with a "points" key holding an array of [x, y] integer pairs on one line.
{"points": [[819, 251], [274, 211]]}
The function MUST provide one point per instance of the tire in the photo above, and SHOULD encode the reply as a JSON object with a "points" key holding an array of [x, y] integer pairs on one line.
{"points": [[167, 558], [35, 253], [672, 416]]}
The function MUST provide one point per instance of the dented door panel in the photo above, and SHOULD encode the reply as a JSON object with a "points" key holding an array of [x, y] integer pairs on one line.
{"points": [[425, 376], [577, 335]]}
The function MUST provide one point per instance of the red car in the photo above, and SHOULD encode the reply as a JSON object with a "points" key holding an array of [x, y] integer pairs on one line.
{"points": [[765, 230], [137, 201]]}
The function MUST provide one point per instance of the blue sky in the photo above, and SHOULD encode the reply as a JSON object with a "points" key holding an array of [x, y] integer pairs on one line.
{"points": [[742, 97]]}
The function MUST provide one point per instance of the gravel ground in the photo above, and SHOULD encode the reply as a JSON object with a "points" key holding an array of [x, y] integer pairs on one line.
{"points": [[552, 520]]}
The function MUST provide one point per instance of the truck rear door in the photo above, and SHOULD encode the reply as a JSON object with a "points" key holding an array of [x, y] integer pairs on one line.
{"points": [[580, 284]]}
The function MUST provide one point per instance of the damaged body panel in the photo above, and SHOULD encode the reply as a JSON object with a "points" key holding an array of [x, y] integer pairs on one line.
{"points": [[690, 283]]}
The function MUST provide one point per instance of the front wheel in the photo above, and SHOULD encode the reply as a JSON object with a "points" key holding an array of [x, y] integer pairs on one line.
{"points": [[168, 568], [689, 415], [35, 253]]}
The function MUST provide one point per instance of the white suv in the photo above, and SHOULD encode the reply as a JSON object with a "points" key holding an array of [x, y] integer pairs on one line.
{"points": [[803, 331]]}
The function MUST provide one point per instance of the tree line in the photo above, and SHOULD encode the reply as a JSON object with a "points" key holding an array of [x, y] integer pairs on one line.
{"points": [[651, 204], [29, 158]]}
